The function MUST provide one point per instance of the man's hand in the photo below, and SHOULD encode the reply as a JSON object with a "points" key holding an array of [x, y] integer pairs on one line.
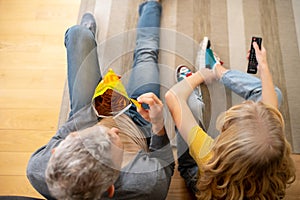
{"points": [[155, 112]]}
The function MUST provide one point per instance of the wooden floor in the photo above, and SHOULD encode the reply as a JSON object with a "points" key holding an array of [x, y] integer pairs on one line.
{"points": [[32, 76]]}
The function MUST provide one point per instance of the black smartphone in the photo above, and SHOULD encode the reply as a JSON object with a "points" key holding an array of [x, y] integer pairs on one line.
{"points": [[252, 65]]}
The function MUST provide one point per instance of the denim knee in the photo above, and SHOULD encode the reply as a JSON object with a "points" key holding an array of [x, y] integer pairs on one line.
{"points": [[79, 34], [145, 55]]}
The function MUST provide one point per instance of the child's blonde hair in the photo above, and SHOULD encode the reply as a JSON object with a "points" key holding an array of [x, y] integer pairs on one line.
{"points": [[251, 157]]}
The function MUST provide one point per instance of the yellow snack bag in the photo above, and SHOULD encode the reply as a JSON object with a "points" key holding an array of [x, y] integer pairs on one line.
{"points": [[110, 97]]}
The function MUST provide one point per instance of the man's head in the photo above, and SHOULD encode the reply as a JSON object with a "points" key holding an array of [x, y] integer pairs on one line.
{"points": [[85, 164]]}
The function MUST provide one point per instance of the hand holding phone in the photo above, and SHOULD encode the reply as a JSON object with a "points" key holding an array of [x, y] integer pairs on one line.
{"points": [[252, 65]]}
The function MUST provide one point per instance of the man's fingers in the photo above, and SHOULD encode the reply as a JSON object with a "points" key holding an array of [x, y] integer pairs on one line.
{"points": [[155, 105], [150, 99], [144, 113]]}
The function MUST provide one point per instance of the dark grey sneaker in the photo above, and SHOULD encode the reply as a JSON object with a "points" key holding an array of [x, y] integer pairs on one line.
{"points": [[89, 22]]}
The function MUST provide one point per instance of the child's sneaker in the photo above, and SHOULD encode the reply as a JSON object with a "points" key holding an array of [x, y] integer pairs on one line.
{"points": [[211, 59], [182, 72], [200, 60], [206, 58]]}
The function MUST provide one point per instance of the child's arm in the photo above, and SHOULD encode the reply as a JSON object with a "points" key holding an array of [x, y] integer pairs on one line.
{"points": [[176, 99], [268, 89]]}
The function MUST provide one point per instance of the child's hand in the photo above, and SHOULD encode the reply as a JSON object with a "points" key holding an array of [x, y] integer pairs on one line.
{"points": [[209, 75], [261, 57]]}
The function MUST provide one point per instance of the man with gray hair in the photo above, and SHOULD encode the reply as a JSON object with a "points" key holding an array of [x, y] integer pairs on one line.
{"points": [[83, 160]]}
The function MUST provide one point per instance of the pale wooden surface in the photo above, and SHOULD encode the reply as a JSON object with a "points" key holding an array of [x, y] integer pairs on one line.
{"points": [[33, 72], [32, 75]]}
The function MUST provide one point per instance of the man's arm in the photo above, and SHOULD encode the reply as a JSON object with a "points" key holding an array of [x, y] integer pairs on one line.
{"points": [[160, 147], [39, 160]]}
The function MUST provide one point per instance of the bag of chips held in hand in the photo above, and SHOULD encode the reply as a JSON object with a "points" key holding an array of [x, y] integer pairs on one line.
{"points": [[110, 98]]}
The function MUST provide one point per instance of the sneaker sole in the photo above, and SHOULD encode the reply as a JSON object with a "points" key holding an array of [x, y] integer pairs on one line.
{"points": [[200, 59]]}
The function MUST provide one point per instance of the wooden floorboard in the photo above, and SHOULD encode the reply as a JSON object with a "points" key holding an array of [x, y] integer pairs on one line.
{"points": [[32, 75], [33, 66]]}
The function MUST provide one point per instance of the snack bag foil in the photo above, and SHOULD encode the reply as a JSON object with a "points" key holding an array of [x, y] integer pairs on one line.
{"points": [[110, 97]]}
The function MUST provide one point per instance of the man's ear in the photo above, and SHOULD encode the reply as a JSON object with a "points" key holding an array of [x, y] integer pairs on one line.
{"points": [[111, 191]]}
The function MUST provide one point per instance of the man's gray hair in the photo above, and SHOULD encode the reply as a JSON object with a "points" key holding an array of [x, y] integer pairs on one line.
{"points": [[81, 166]]}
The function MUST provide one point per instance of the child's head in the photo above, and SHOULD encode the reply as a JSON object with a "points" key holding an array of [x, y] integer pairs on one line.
{"points": [[251, 157]]}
